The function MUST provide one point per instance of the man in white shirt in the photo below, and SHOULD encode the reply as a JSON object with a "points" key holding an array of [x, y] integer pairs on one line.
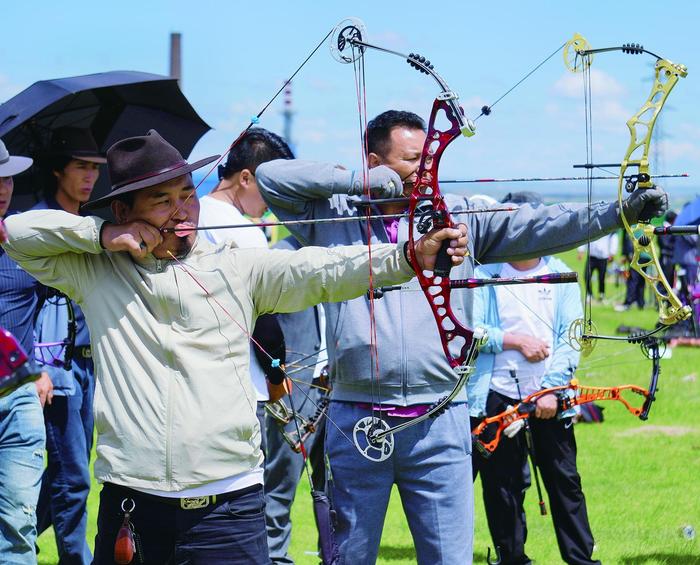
{"points": [[234, 201], [236, 198], [528, 352], [600, 253]]}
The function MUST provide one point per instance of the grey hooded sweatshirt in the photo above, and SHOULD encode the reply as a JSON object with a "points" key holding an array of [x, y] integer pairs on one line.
{"points": [[412, 365]]}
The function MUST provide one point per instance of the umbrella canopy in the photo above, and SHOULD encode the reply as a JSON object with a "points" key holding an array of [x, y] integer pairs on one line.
{"points": [[114, 105]]}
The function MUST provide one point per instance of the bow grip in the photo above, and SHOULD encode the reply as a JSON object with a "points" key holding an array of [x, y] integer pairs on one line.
{"points": [[646, 407], [443, 261], [648, 212], [528, 408], [484, 451]]}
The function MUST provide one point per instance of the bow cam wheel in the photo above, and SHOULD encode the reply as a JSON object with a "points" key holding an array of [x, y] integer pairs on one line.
{"points": [[582, 336], [371, 448], [341, 44], [575, 57]]}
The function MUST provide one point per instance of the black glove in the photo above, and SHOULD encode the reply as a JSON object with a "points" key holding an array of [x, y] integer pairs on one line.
{"points": [[644, 204], [383, 183]]}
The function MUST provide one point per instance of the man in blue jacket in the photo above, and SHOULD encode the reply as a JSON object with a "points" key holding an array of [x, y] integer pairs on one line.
{"points": [[22, 435], [72, 169], [431, 461]]}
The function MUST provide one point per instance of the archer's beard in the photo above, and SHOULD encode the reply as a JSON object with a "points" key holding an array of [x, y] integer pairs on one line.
{"points": [[183, 245], [177, 246]]}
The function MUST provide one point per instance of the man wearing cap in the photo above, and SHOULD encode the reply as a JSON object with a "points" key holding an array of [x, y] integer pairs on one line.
{"points": [[70, 172], [178, 441], [22, 435]]}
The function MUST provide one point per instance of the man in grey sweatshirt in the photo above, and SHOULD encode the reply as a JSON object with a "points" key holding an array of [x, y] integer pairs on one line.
{"points": [[430, 463]]}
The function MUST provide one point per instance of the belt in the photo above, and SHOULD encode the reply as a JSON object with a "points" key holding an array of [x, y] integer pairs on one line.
{"points": [[191, 502]]}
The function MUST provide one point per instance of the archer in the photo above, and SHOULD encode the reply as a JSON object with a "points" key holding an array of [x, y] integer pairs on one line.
{"points": [[413, 372]]}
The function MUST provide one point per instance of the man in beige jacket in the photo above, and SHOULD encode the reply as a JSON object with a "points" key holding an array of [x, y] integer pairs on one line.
{"points": [[178, 446]]}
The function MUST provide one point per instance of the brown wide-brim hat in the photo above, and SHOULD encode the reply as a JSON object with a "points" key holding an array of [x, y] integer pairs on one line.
{"points": [[139, 162]]}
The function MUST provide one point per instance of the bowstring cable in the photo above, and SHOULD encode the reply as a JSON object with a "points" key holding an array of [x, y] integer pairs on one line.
{"points": [[300, 438], [253, 121], [361, 93], [589, 149], [588, 120], [486, 110]]}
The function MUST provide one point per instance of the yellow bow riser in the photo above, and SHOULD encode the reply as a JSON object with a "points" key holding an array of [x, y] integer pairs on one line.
{"points": [[641, 126]]}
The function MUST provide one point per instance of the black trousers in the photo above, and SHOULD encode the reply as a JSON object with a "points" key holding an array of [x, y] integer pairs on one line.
{"points": [[231, 531], [505, 478], [594, 264], [669, 269]]}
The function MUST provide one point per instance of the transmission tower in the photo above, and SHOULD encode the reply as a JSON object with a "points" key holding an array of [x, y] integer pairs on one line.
{"points": [[287, 113]]}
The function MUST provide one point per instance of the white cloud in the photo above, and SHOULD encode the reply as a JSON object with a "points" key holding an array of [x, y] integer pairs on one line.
{"points": [[238, 115], [680, 150], [308, 135], [319, 134], [311, 130], [689, 130], [321, 84], [610, 115], [417, 105], [603, 85], [472, 105]]}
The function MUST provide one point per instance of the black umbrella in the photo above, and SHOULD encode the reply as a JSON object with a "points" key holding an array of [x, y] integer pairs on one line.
{"points": [[113, 105]]}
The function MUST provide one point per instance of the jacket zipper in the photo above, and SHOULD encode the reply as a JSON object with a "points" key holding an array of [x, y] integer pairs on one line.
{"points": [[160, 268]]}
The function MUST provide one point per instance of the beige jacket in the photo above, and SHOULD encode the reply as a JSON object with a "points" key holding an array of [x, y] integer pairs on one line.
{"points": [[174, 407]]}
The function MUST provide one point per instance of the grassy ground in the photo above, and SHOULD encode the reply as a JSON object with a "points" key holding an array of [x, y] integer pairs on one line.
{"points": [[641, 479]]}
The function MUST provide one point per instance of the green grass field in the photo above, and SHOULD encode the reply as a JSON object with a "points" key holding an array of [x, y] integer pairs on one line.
{"points": [[641, 479]]}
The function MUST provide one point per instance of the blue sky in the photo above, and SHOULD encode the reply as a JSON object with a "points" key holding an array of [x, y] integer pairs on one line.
{"points": [[236, 54]]}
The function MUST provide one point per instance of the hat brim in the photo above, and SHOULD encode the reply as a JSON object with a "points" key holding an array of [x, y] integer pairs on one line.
{"points": [[90, 158], [145, 183], [15, 166]]}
